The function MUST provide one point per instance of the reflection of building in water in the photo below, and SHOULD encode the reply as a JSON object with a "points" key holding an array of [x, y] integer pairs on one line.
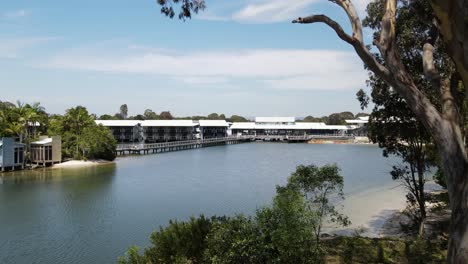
{"points": [[11, 154], [47, 150], [287, 126]]}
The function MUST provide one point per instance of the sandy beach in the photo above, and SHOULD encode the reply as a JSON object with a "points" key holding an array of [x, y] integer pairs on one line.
{"points": [[81, 163], [371, 210]]}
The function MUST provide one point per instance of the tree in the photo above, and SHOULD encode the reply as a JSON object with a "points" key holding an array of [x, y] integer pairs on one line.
{"points": [[97, 142], [339, 118], [166, 115], [445, 125], [82, 138], [213, 116], [150, 115], [393, 125], [322, 187], [123, 111], [237, 118], [186, 7], [107, 117]]}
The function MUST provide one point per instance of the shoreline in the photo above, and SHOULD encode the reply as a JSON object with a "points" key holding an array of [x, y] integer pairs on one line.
{"points": [[81, 163]]}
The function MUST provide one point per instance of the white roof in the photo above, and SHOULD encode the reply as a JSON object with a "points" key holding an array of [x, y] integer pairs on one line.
{"points": [[118, 123], [356, 121], [298, 126], [42, 141], [275, 119], [213, 123], [146, 123], [168, 123], [364, 118], [243, 125]]}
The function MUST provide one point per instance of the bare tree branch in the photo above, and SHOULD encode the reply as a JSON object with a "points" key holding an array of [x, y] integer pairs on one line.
{"points": [[330, 22], [350, 10]]}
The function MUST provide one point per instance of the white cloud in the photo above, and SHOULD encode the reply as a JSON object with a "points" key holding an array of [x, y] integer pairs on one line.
{"points": [[271, 11], [11, 48], [16, 14], [282, 69]]}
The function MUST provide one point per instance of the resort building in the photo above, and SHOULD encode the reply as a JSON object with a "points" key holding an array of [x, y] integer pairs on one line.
{"points": [[11, 154], [47, 150], [124, 131], [168, 130], [213, 128], [150, 131], [360, 125], [286, 126]]}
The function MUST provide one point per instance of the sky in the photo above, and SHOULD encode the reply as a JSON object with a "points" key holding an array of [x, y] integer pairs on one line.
{"points": [[240, 57]]}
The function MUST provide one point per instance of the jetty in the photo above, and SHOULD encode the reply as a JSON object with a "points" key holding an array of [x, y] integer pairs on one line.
{"points": [[153, 148]]}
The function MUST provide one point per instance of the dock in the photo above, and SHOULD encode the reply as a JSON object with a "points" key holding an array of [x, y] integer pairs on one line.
{"points": [[153, 148]]}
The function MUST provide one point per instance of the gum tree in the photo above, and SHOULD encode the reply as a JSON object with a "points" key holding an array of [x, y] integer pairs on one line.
{"points": [[444, 125]]}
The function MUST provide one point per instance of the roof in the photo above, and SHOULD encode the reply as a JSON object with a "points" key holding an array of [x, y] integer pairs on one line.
{"points": [[213, 123], [356, 121], [296, 126], [275, 119], [243, 125], [42, 141], [118, 123], [146, 123], [168, 123]]}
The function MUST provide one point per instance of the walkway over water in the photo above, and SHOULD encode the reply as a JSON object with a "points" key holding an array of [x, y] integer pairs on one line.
{"points": [[141, 148], [152, 148]]}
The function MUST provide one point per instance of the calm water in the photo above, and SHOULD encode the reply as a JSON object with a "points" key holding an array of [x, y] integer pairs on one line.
{"points": [[93, 215]]}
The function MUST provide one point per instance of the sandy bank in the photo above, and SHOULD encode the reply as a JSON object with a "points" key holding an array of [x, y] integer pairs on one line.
{"points": [[81, 163], [370, 210]]}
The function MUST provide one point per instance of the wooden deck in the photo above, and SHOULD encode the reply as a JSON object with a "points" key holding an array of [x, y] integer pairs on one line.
{"points": [[153, 148]]}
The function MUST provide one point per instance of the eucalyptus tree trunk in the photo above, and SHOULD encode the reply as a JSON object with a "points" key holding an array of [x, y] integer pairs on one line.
{"points": [[444, 126]]}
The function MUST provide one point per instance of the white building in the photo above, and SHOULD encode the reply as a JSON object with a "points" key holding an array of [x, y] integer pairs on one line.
{"points": [[286, 126]]}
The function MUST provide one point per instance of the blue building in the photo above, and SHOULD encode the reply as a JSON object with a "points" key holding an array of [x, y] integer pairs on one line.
{"points": [[11, 154]]}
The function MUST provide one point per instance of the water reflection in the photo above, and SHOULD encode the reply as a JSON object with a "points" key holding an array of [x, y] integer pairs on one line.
{"points": [[106, 171]]}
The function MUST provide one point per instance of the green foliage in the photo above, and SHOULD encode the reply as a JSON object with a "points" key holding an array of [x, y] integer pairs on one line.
{"points": [[187, 7], [334, 119], [82, 138], [123, 111], [339, 118], [237, 118], [393, 125], [166, 115], [150, 115], [97, 142], [107, 117], [23, 121], [320, 186], [235, 240], [180, 241], [285, 232]]}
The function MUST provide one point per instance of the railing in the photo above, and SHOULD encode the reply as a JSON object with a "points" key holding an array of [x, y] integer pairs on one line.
{"points": [[143, 146]]}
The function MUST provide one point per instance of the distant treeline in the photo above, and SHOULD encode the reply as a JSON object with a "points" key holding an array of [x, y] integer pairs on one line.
{"points": [[332, 119]]}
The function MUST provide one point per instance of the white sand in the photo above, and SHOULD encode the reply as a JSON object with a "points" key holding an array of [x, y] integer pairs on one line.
{"points": [[371, 209], [81, 163]]}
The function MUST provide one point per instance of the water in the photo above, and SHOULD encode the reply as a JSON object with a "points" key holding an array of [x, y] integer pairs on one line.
{"points": [[92, 215]]}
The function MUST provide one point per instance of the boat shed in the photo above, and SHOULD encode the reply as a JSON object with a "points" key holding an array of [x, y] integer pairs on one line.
{"points": [[11, 154], [47, 150]]}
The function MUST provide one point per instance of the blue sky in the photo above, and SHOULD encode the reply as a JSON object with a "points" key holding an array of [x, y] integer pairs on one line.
{"points": [[238, 57]]}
